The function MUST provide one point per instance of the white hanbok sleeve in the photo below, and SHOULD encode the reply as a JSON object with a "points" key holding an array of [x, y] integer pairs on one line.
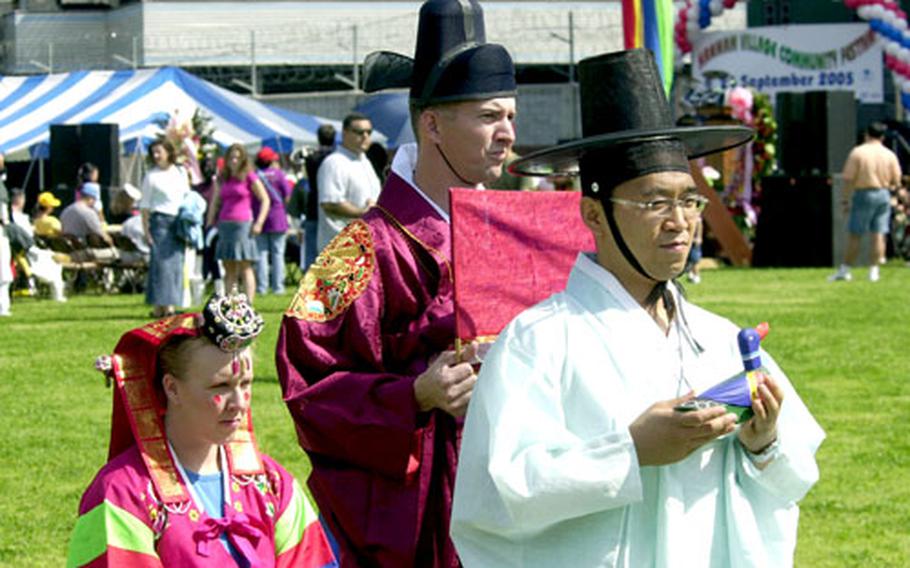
{"points": [[520, 469], [794, 470]]}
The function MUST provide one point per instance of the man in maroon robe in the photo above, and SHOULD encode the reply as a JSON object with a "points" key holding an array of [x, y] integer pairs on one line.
{"points": [[365, 353]]}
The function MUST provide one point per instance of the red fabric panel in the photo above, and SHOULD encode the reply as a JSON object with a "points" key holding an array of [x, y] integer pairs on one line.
{"points": [[313, 551], [511, 249]]}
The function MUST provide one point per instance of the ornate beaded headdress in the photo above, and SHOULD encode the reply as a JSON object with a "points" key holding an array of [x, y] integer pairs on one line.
{"points": [[230, 322], [138, 406]]}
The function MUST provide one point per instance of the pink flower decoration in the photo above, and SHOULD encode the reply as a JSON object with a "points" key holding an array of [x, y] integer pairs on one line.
{"points": [[739, 100]]}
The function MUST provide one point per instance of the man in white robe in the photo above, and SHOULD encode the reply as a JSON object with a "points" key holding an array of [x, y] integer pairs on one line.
{"points": [[573, 453]]}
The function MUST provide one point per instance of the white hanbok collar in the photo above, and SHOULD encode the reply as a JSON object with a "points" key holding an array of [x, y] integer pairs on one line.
{"points": [[586, 264]]}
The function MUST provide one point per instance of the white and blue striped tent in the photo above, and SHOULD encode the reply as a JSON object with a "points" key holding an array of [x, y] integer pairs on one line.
{"points": [[139, 101]]}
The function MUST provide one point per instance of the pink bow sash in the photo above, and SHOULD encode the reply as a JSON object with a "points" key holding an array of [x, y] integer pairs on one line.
{"points": [[241, 533]]}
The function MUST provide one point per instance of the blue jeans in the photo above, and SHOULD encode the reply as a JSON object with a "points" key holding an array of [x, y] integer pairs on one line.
{"points": [[870, 211], [271, 256], [164, 282], [309, 234]]}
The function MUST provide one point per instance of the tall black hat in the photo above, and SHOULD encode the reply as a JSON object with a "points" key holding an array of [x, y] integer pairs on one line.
{"points": [[623, 105], [452, 61], [628, 132]]}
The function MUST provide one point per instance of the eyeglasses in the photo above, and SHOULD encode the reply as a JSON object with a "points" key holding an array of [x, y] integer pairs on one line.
{"points": [[692, 205], [361, 132]]}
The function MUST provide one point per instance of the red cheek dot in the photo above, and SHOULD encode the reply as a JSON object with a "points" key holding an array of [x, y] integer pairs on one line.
{"points": [[216, 399], [246, 396]]}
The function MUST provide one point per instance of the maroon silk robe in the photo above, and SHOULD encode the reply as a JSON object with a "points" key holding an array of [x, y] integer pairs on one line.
{"points": [[368, 318]]}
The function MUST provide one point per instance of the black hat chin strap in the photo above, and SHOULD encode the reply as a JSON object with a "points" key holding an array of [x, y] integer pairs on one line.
{"points": [[621, 242], [661, 289], [468, 182]]}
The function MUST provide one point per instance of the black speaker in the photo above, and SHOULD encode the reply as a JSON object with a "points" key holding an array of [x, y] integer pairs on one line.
{"points": [[816, 131], [74, 144], [794, 224]]}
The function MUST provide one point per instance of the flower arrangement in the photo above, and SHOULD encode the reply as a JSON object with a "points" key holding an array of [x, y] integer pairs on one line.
{"points": [[192, 139], [739, 184], [764, 146]]}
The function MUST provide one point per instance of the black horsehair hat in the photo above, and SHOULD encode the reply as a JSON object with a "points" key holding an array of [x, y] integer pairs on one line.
{"points": [[452, 61], [623, 106], [628, 133]]}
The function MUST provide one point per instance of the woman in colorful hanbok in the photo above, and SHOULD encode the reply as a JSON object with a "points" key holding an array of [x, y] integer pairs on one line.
{"points": [[185, 484]]}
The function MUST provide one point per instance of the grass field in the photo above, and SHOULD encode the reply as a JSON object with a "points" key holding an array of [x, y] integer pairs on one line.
{"points": [[843, 345]]}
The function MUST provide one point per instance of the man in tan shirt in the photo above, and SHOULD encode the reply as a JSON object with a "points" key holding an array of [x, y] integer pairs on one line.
{"points": [[871, 173]]}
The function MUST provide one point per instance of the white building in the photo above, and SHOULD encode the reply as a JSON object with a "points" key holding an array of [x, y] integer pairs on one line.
{"points": [[301, 46]]}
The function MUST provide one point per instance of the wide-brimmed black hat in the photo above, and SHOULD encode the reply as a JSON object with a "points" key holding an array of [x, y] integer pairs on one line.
{"points": [[622, 104], [452, 61]]}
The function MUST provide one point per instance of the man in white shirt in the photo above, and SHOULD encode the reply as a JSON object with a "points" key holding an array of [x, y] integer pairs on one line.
{"points": [[573, 451], [348, 184]]}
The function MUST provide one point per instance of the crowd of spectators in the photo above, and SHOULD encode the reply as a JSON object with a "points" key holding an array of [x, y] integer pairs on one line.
{"points": [[251, 215]]}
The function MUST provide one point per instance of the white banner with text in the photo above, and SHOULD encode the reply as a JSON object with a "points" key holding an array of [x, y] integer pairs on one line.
{"points": [[795, 59]]}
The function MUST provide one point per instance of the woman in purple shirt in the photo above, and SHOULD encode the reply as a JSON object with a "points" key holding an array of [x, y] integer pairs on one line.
{"points": [[232, 206], [271, 243]]}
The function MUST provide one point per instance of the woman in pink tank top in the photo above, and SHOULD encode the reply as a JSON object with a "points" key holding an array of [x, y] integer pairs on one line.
{"points": [[232, 207]]}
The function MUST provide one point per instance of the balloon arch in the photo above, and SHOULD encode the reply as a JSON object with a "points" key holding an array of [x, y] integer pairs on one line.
{"points": [[885, 18]]}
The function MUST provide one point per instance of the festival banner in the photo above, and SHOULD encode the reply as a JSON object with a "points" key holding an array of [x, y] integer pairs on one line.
{"points": [[795, 58]]}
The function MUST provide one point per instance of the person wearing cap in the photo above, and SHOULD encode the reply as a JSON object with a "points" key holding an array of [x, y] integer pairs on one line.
{"points": [[185, 483], [348, 184], [35, 262], [89, 173], [365, 352], [271, 241], [573, 453], [44, 222], [124, 204], [80, 218]]}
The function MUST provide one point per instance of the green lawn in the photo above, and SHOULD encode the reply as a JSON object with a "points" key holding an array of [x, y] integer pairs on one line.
{"points": [[843, 345]]}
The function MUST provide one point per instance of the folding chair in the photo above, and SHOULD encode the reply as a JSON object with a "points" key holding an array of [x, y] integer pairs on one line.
{"points": [[73, 257], [105, 255], [131, 266]]}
